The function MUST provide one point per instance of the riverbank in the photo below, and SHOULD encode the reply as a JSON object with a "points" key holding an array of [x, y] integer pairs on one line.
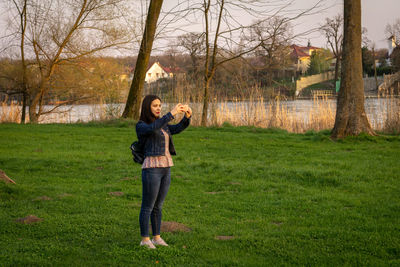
{"points": [[250, 197], [297, 116]]}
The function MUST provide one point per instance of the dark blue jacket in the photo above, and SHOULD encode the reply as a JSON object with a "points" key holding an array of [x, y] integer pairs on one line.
{"points": [[151, 136]]}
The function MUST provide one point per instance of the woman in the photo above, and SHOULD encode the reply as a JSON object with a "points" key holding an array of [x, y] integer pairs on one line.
{"points": [[154, 134]]}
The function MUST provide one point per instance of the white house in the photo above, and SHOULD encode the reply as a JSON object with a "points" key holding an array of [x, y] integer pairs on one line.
{"points": [[156, 71]]}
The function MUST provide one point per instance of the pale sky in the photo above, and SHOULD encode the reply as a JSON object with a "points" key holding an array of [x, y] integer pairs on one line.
{"points": [[376, 14]]}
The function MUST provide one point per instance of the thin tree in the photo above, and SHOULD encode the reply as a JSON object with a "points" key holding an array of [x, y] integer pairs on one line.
{"points": [[193, 44], [274, 37], [136, 90], [333, 30], [22, 17], [351, 118]]}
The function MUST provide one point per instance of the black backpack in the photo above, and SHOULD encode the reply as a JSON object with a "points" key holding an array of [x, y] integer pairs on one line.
{"points": [[137, 152]]}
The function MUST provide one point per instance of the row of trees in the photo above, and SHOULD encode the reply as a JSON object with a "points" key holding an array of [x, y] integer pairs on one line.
{"points": [[106, 79], [50, 38]]}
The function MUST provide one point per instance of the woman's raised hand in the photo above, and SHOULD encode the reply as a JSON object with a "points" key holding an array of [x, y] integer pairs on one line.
{"points": [[179, 108], [188, 112]]}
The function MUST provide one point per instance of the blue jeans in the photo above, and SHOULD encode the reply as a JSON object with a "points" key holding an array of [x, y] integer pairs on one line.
{"points": [[155, 185]]}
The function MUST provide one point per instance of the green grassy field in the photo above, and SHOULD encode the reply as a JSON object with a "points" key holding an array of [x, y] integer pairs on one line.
{"points": [[286, 199]]}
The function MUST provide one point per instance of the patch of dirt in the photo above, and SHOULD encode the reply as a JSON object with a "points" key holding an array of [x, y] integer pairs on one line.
{"points": [[42, 198], [99, 168], [3, 176], [28, 219], [174, 227], [224, 237], [117, 193], [235, 183], [278, 223], [39, 150]]}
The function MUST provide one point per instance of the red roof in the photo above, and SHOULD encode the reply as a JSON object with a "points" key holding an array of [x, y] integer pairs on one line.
{"points": [[171, 69], [298, 51], [302, 51], [166, 69]]}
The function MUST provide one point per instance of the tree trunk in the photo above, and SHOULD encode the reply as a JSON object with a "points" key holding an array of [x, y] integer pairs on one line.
{"points": [[24, 100], [205, 102], [350, 113], [210, 71], [23, 19], [33, 116], [33, 106], [132, 106], [336, 70]]}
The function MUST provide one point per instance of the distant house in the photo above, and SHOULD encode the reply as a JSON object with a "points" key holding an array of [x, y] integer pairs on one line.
{"points": [[391, 44], [157, 71], [301, 56], [393, 49]]}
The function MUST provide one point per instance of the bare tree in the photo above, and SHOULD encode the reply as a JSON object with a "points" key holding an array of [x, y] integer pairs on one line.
{"points": [[54, 33], [333, 30], [21, 9], [193, 43], [351, 118], [273, 37], [135, 93]]}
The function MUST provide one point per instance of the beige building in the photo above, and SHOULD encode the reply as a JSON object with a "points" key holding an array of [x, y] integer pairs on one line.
{"points": [[301, 56]]}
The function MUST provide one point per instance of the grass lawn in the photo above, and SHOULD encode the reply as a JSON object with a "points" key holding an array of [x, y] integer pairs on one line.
{"points": [[285, 199]]}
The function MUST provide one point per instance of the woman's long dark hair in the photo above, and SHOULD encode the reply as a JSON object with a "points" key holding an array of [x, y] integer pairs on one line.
{"points": [[145, 114]]}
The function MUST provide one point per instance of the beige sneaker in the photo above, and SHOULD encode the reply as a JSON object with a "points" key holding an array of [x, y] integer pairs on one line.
{"points": [[148, 244], [159, 242]]}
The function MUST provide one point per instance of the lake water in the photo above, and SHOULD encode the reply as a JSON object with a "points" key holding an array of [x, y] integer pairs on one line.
{"points": [[376, 109]]}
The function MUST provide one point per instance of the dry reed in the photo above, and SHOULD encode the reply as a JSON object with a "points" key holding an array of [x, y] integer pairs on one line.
{"points": [[392, 118], [10, 112], [273, 114], [252, 111]]}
